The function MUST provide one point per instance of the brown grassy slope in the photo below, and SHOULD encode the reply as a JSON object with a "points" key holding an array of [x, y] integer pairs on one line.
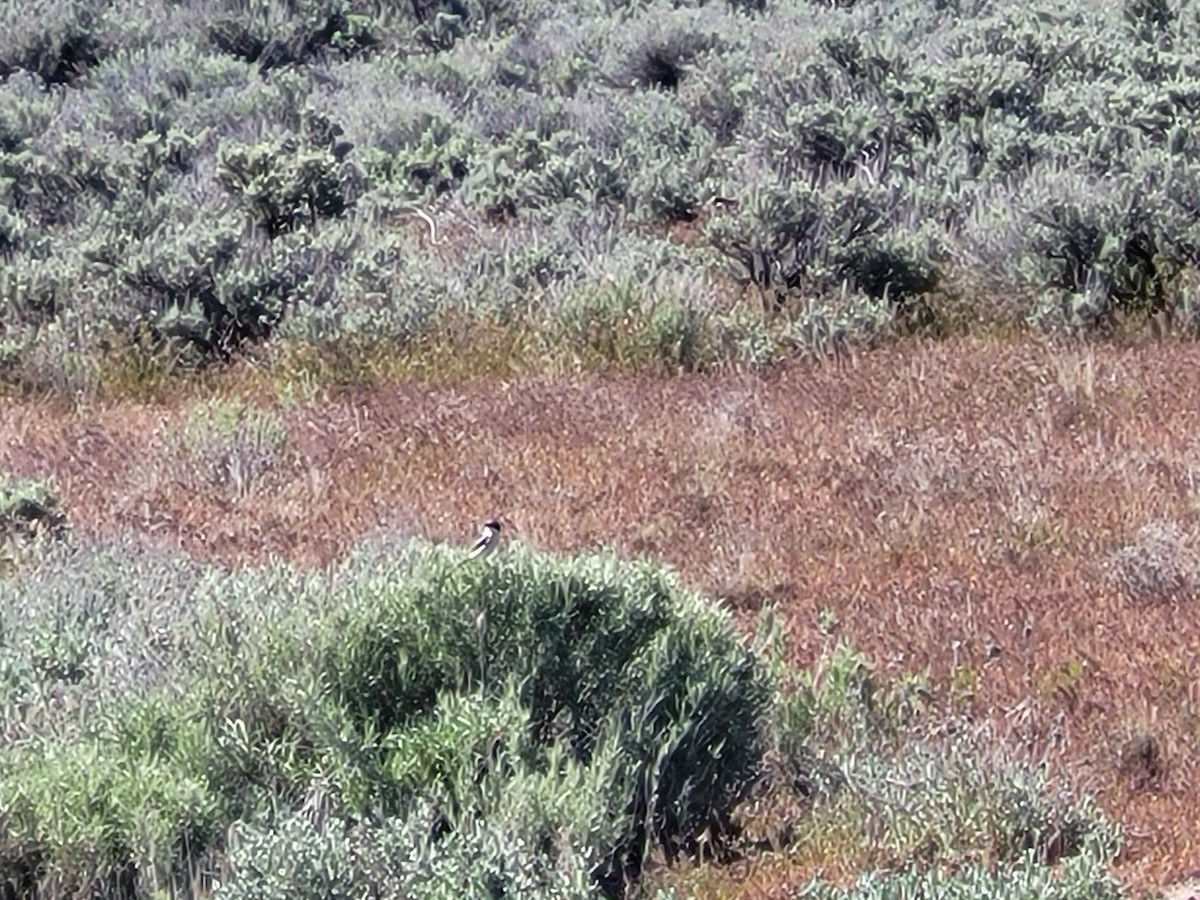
{"points": [[953, 504]]}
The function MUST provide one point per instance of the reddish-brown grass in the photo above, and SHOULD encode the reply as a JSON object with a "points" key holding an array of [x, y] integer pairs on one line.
{"points": [[953, 504]]}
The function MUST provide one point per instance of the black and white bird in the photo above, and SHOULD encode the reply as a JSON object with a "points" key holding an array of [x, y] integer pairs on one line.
{"points": [[488, 539]]}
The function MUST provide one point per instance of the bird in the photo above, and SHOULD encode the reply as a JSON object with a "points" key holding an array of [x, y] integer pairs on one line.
{"points": [[488, 539]]}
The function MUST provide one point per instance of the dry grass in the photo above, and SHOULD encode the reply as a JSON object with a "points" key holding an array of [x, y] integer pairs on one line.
{"points": [[959, 506]]}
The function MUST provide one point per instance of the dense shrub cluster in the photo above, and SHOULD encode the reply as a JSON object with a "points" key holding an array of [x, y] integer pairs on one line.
{"points": [[587, 713], [403, 725], [192, 176]]}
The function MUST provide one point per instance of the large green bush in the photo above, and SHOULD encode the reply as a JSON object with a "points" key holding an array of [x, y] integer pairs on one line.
{"points": [[590, 710]]}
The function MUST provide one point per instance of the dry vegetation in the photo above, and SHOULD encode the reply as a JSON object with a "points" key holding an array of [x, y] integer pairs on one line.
{"points": [[237, 191], [1015, 518]]}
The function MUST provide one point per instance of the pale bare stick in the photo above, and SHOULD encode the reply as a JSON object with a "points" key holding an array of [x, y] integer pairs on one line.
{"points": [[426, 218]]}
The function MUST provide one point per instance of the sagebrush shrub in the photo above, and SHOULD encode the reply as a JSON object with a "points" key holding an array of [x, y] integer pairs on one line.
{"points": [[1045, 161], [59, 42], [1075, 880], [29, 509], [1162, 563], [395, 679], [232, 444]]}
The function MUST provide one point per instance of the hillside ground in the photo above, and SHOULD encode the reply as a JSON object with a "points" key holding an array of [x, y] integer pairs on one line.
{"points": [[1016, 519]]}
